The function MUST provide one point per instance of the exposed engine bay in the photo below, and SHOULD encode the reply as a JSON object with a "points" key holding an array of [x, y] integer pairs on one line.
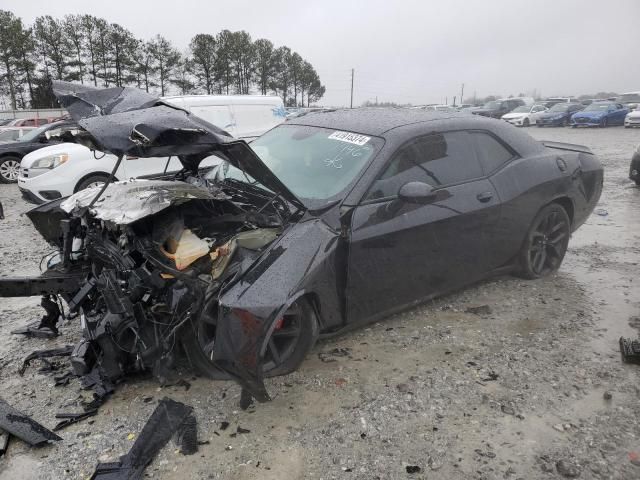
{"points": [[153, 280]]}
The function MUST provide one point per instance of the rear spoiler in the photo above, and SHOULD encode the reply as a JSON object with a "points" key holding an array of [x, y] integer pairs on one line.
{"points": [[572, 147]]}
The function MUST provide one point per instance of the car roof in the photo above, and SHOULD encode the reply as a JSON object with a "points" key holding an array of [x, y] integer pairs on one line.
{"points": [[371, 120]]}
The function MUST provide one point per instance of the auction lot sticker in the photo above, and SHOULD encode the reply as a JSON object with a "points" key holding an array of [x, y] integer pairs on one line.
{"points": [[350, 138]]}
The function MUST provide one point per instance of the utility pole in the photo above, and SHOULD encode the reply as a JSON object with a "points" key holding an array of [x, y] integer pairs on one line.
{"points": [[462, 95], [352, 88]]}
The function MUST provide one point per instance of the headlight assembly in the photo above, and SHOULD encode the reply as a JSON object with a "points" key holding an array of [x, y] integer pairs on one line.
{"points": [[50, 162]]}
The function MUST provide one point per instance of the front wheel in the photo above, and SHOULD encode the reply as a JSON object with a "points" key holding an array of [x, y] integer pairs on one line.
{"points": [[546, 243], [526, 122], [565, 122], [96, 180], [292, 338], [604, 123], [9, 169]]}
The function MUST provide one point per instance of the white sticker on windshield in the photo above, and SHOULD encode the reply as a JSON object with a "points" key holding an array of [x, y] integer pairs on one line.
{"points": [[350, 138]]}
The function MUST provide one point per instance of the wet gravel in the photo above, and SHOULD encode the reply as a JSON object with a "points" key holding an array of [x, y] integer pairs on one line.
{"points": [[531, 387]]}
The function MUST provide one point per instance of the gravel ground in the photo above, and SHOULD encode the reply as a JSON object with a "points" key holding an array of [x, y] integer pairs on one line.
{"points": [[516, 393]]}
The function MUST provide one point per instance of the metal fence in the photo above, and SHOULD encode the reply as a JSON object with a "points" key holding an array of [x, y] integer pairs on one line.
{"points": [[33, 113]]}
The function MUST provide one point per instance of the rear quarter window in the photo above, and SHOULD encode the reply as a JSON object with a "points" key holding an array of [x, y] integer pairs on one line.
{"points": [[491, 153]]}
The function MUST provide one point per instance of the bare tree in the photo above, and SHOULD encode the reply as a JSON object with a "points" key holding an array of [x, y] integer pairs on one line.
{"points": [[166, 59], [203, 58]]}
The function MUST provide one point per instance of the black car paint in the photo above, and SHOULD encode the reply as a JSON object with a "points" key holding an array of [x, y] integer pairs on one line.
{"points": [[19, 148], [378, 254], [357, 261]]}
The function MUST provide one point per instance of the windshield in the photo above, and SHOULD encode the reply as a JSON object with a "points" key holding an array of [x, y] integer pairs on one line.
{"points": [[598, 107], [492, 105], [522, 109], [33, 134], [316, 164], [9, 135]]}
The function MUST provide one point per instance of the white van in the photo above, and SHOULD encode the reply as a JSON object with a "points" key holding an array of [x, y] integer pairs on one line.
{"points": [[61, 170]]}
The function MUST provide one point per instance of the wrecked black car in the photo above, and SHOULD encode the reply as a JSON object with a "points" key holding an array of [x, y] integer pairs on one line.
{"points": [[327, 222]]}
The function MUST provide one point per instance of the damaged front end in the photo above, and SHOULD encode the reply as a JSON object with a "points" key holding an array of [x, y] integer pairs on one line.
{"points": [[144, 263]]}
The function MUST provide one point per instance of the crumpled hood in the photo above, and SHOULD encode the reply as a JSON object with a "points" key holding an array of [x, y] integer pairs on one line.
{"points": [[129, 121], [125, 202]]}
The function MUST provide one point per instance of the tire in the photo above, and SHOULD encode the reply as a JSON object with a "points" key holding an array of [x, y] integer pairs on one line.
{"points": [[92, 180], [292, 346], [565, 122], [526, 122], [604, 123], [9, 169], [638, 182], [546, 243]]}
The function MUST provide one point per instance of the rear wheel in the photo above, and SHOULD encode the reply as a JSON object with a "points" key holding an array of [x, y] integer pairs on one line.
{"points": [[292, 338], [546, 242], [96, 180], [9, 169]]}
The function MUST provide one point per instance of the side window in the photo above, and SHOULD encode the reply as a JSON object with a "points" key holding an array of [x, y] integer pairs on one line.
{"points": [[492, 154], [437, 159]]}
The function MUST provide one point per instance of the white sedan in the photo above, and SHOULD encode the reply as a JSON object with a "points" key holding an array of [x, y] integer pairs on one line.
{"points": [[525, 115], [632, 119]]}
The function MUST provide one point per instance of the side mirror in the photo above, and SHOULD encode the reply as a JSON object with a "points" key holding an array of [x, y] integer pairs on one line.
{"points": [[421, 193], [43, 139]]}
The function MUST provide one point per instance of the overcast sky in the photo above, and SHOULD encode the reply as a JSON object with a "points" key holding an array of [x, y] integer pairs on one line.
{"points": [[409, 51]]}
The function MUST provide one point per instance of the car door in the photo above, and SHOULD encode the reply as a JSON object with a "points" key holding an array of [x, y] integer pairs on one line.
{"points": [[620, 113], [402, 252]]}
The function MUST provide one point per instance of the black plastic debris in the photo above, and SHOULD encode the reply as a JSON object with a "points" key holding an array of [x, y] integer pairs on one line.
{"points": [[64, 379], [1, 212], [630, 350], [47, 326], [187, 436], [165, 420], [332, 355], [4, 442], [413, 469], [71, 418], [246, 399], [43, 355], [24, 427]]}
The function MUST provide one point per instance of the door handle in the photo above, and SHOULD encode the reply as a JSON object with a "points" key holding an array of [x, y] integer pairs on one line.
{"points": [[484, 197]]}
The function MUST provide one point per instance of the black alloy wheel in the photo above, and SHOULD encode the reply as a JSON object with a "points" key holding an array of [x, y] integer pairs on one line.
{"points": [[546, 242], [291, 339]]}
